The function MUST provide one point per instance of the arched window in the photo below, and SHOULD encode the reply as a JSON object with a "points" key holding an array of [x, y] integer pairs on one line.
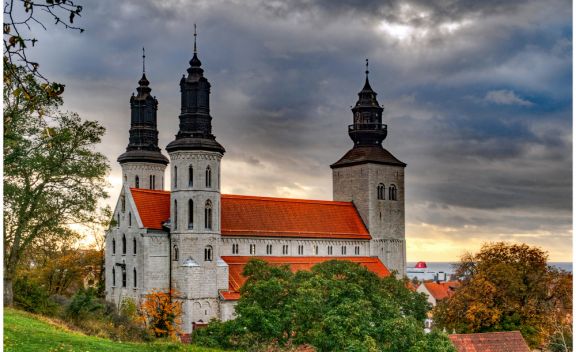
{"points": [[208, 177], [113, 246], [137, 181], [208, 215], [118, 222], [190, 213], [129, 219], [175, 256], [190, 176], [381, 191], [175, 214], [392, 193], [175, 176], [135, 278], [123, 244], [123, 203], [152, 182], [134, 245], [123, 277], [113, 277], [208, 254]]}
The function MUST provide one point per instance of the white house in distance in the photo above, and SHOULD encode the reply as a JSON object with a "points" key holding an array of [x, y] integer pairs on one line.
{"points": [[195, 240]]}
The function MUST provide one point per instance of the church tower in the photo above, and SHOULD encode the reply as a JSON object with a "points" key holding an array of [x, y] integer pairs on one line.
{"points": [[373, 179], [143, 163], [197, 270]]}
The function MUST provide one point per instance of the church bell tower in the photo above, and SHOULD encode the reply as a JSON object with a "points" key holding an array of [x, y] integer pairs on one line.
{"points": [[373, 179], [143, 164], [198, 271]]}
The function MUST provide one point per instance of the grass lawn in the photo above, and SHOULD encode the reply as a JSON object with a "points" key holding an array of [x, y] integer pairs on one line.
{"points": [[28, 332]]}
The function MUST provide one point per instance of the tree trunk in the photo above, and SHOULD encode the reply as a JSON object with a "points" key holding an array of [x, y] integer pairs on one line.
{"points": [[8, 291]]}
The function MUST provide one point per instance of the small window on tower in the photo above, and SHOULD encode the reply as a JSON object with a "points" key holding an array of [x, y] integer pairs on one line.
{"points": [[123, 244], [252, 249], [235, 248], [175, 214], [208, 177], [285, 249], [392, 193], [135, 278], [208, 254], [315, 249], [113, 277], [380, 191], [343, 250], [208, 215], [175, 254], [301, 249], [134, 245], [137, 181], [113, 246], [175, 176], [357, 250], [123, 203], [190, 176], [123, 277], [268, 249], [329, 250], [129, 219]]}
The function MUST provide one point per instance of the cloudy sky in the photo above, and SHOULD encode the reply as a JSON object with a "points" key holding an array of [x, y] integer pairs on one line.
{"points": [[478, 99]]}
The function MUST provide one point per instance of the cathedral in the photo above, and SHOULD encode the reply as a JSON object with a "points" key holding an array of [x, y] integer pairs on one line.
{"points": [[196, 241]]}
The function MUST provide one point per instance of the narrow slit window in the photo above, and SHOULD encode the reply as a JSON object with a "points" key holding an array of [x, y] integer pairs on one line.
{"points": [[190, 213], [113, 277], [123, 244], [175, 214], [208, 177], [137, 181], [208, 254], [190, 176], [392, 193], [380, 191], [135, 278], [134, 245], [175, 176], [208, 215], [113, 246], [175, 256]]}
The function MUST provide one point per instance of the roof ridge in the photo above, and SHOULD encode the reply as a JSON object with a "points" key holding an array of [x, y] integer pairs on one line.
{"points": [[291, 200], [155, 191]]}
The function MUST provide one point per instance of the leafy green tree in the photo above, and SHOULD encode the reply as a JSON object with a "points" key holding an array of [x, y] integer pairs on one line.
{"points": [[337, 306], [53, 178], [507, 287]]}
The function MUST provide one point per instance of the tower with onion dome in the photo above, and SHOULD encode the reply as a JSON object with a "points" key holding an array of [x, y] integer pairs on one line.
{"points": [[373, 179], [198, 271]]}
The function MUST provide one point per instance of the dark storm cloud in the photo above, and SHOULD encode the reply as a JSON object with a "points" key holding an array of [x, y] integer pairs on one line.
{"points": [[477, 95]]}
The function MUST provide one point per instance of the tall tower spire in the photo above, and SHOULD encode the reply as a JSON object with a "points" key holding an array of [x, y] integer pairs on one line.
{"points": [[143, 142], [143, 60], [195, 38]]}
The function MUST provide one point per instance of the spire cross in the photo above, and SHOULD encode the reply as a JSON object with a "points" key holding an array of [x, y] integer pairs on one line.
{"points": [[195, 38], [367, 68], [143, 60]]}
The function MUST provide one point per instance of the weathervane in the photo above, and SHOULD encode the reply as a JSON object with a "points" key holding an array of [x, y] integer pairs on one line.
{"points": [[195, 38]]}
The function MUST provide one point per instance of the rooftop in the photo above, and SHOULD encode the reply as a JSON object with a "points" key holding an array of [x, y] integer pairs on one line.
{"points": [[507, 341]]}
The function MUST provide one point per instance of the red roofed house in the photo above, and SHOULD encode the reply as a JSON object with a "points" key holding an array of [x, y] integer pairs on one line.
{"points": [[197, 241], [506, 341], [437, 291]]}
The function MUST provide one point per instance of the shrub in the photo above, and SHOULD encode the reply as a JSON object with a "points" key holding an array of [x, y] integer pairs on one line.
{"points": [[83, 304], [33, 297]]}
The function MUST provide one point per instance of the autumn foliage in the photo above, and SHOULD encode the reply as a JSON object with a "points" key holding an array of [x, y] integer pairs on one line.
{"points": [[161, 313], [507, 287]]}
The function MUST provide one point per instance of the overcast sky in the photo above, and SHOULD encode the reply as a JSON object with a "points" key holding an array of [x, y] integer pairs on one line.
{"points": [[477, 96]]}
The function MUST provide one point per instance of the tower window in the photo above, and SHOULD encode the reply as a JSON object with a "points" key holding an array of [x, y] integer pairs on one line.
{"points": [[118, 222], [285, 249], [190, 213], [357, 250], [175, 214], [113, 246], [123, 277], [134, 245], [392, 193], [113, 277], [135, 278], [123, 244], [343, 250], [300, 249], [129, 219], [208, 177], [252, 249], [315, 248], [380, 191], [190, 176], [152, 182], [175, 176], [208, 215], [208, 254], [175, 256], [329, 250], [268, 249], [235, 248], [123, 203], [137, 181]]}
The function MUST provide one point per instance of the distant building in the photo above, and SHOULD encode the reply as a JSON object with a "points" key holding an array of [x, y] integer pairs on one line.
{"points": [[437, 291], [507, 341], [195, 240]]}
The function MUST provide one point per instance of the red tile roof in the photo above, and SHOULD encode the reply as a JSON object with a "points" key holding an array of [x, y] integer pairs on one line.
{"points": [[508, 341], [264, 216], [236, 266], [441, 290], [153, 206]]}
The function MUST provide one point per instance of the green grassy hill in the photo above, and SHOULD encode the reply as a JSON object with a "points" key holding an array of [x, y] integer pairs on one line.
{"points": [[28, 332]]}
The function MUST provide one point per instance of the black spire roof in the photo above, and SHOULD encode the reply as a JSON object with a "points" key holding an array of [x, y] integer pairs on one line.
{"points": [[195, 131], [143, 143], [367, 132]]}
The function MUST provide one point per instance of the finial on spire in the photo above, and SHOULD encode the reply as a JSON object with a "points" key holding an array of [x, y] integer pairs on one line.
{"points": [[195, 38], [143, 60], [367, 72]]}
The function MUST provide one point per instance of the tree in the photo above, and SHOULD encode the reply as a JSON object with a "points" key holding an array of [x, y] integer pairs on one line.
{"points": [[19, 18], [507, 287], [52, 176], [161, 314], [337, 306]]}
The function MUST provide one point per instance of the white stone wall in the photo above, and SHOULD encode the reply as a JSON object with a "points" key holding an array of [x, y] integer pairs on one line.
{"points": [[385, 219], [227, 310], [143, 171], [293, 243]]}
